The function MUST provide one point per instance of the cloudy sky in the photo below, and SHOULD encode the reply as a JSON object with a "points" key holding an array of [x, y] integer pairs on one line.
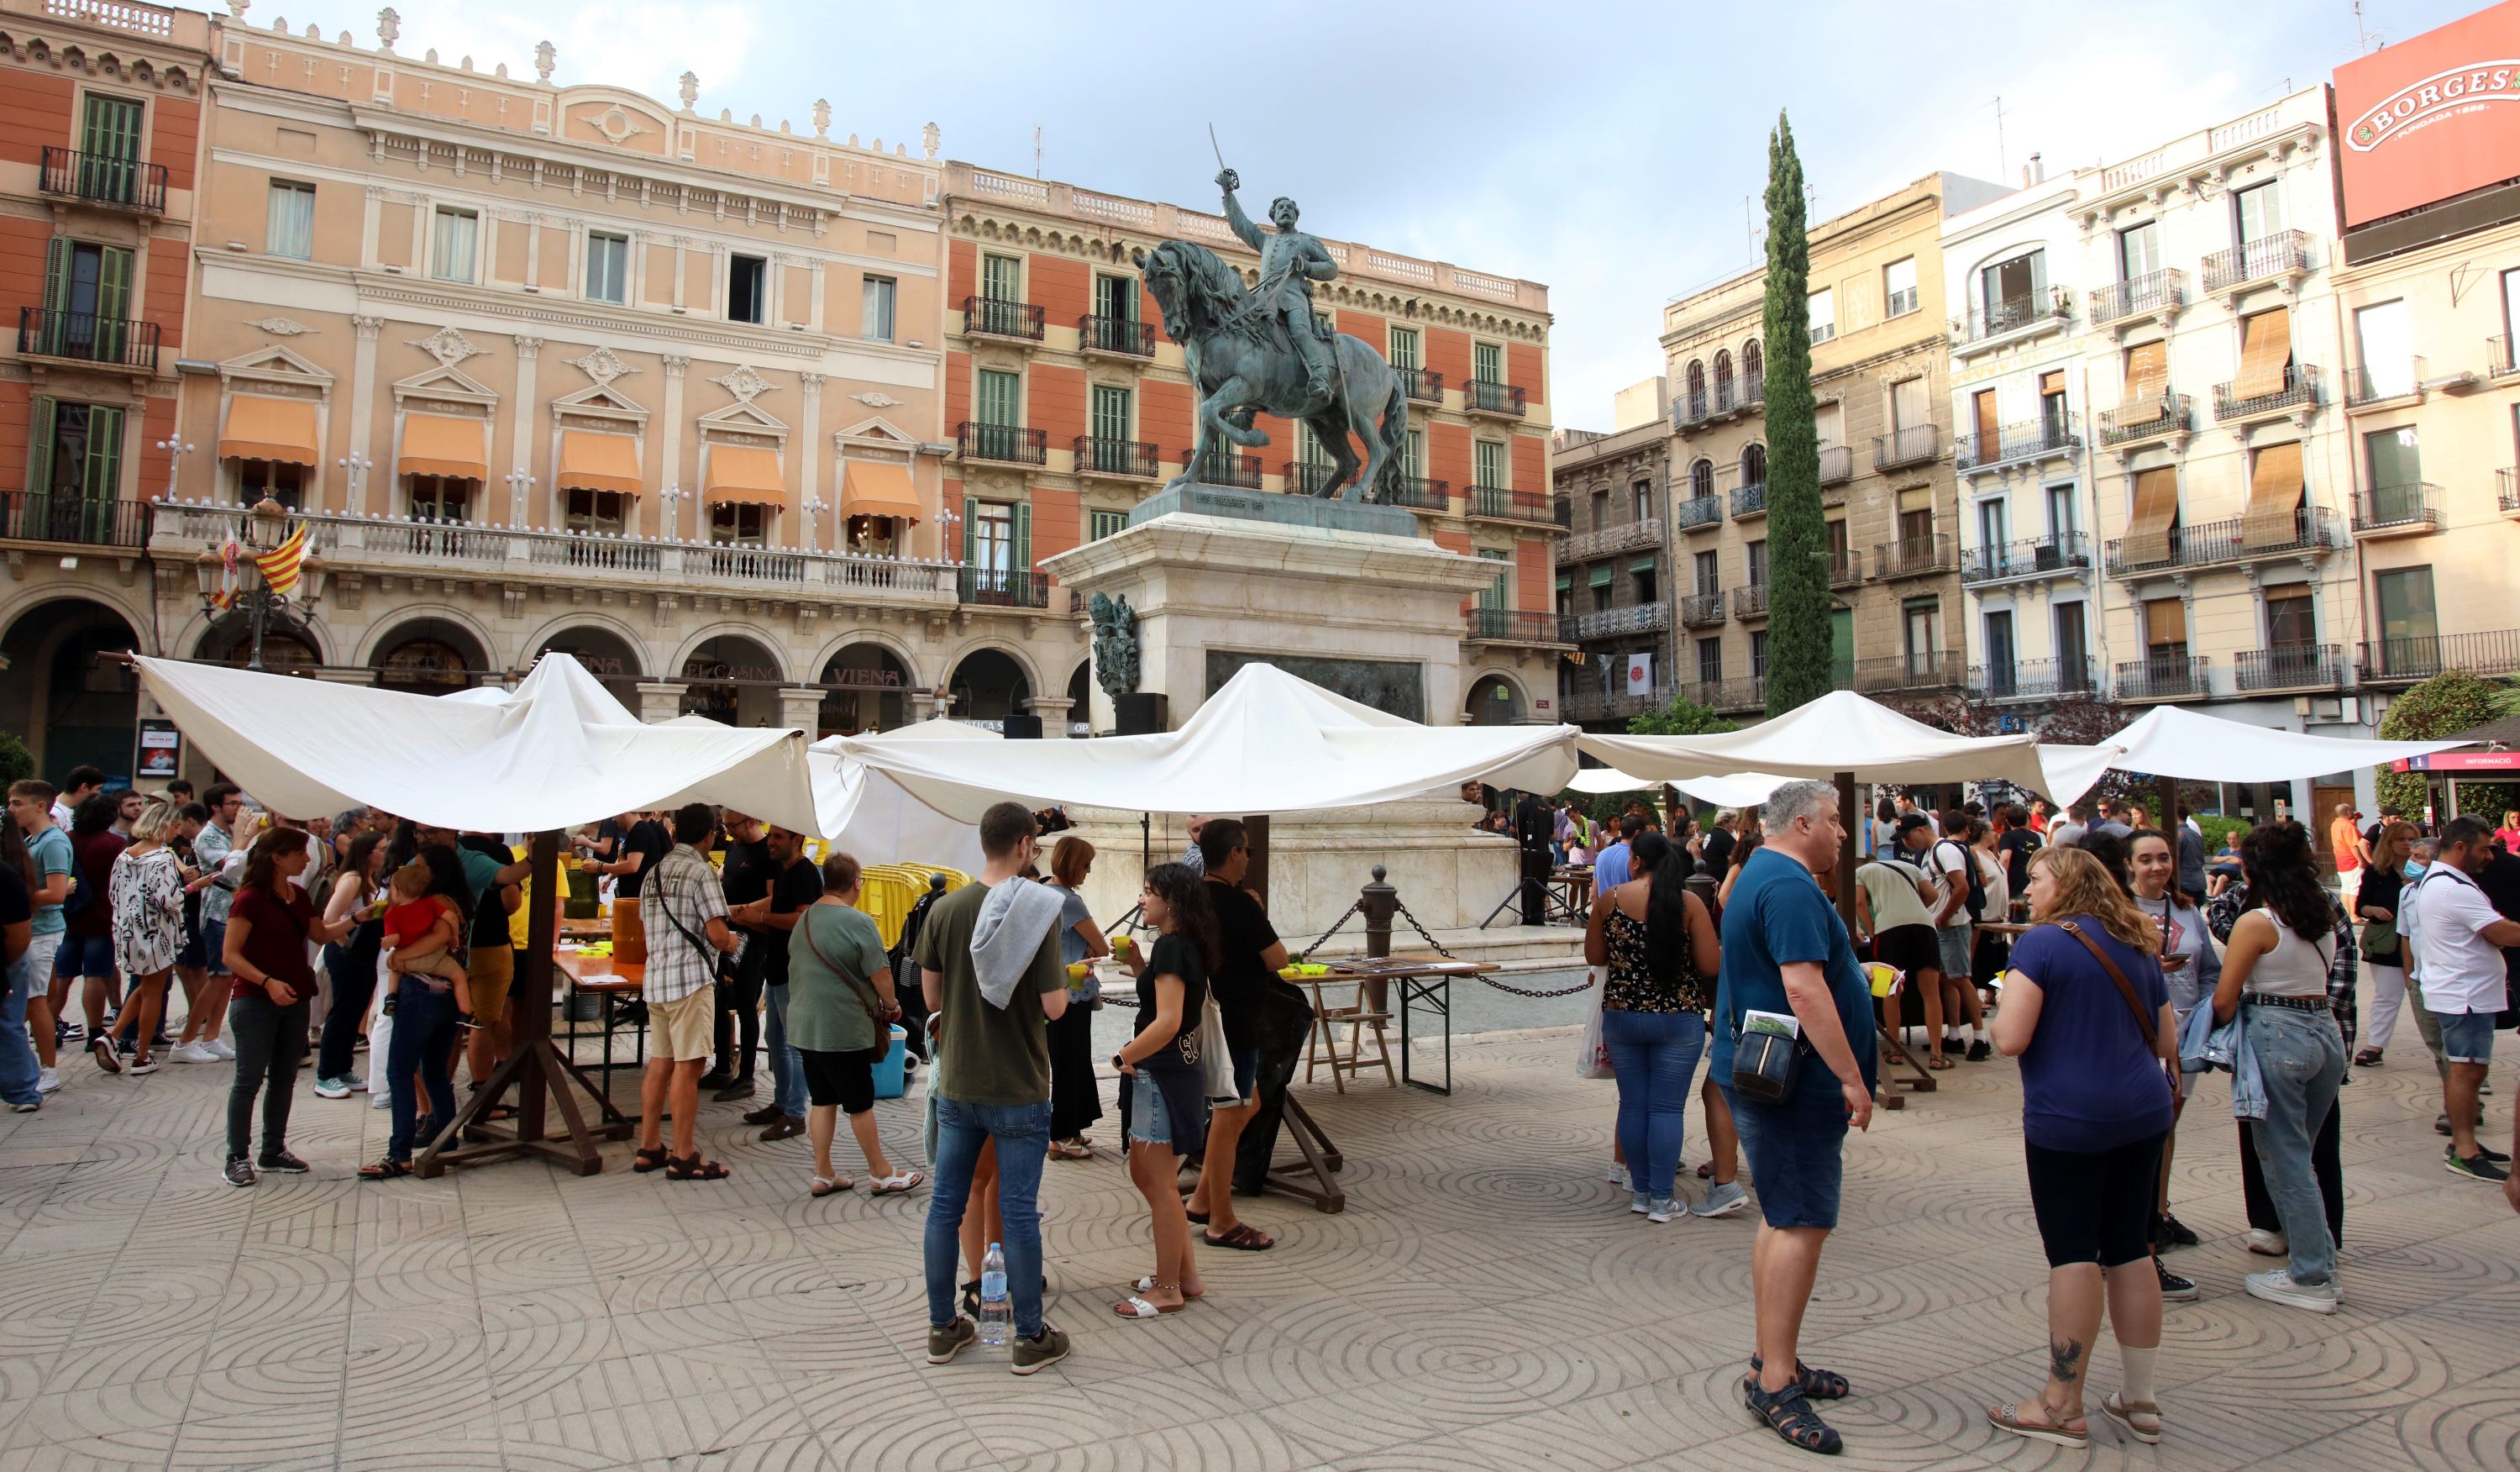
{"points": [[1604, 150]]}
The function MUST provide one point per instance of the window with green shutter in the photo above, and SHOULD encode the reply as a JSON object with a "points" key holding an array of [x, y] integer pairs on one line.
{"points": [[1488, 462], [999, 398], [1487, 362], [1413, 457], [1116, 297], [1110, 412], [1494, 595], [1403, 348], [87, 295], [1001, 278], [1102, 524], [110, 148]]}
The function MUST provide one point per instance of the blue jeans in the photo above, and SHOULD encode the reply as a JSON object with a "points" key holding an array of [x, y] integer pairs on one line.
{"points": [[1653, 1055], [786, 1065], [17, 1067], [424, 1038], [2301, 1057], [1022, 1133]]}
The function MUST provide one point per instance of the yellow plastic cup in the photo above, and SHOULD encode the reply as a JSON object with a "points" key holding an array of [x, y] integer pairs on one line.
{"points": [[1078, 971], [1884, 977], [1123, 944]]}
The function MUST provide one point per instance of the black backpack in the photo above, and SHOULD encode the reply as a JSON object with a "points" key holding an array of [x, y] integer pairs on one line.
{"points": [[1976, 901]]}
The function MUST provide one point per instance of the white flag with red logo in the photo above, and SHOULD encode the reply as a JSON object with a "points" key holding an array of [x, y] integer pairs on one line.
{"points": [[1640, 674]]}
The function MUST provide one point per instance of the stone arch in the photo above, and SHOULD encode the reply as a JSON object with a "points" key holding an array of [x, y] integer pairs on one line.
{"points": [[1080, 690], [71, 707], [730, 673], [873, 680], [32, 595], [431, 654], [386, 633], [991, 683], [606, 646], [1496, 698], [1754, 362], [969, 647], [1701, 476], [1723, 374], [884, 638], [1696, 387], [673, 669], [1754, 464]]}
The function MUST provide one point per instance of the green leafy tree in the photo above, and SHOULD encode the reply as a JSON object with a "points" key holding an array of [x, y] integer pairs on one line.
{"points": [[1798, 596], [1681, 718], [2446, 703], [17, 763]]}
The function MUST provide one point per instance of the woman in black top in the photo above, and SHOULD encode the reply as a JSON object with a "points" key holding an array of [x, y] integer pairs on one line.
{"points": [[1163, 1106], [2375, 904]]}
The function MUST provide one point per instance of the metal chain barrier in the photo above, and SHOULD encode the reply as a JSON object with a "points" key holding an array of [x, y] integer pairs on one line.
{"points": [[1307, 951], [1438, 948], [1584, 987], [1414, 924]]}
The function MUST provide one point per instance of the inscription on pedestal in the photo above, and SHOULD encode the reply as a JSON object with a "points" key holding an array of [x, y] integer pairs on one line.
{"points": [[1395, 687], [1281, 509]]}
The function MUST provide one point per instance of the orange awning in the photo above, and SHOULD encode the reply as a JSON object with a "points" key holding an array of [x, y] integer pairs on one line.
{"points": [[592, 461], [435, 444], [870, 488], [270, 428], [742, 475]]}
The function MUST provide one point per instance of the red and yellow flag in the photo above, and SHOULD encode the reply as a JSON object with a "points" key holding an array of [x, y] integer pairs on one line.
{"points": [[279, 565]]}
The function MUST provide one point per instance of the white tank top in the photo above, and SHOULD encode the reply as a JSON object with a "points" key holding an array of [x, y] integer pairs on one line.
{"points": [[2296, 967]]}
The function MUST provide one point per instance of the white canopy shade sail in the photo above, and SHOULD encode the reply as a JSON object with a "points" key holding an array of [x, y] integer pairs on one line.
{"points": [[555, 752], [2173, 742], [1839, 732], [869, 815], [1739, 790], [1267, 742]]}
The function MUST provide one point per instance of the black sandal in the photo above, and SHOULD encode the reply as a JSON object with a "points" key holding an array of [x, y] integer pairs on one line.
{"points": [[694, 1167], [1788, 1413], [972, 1298], [388, 1168], [643, 1160], [1819, 1385]]}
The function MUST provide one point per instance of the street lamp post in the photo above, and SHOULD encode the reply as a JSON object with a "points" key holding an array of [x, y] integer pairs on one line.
{"points": [[519, 485], [673, 496], [813, 509], [175, 451], [355, 470], [266, 526]]}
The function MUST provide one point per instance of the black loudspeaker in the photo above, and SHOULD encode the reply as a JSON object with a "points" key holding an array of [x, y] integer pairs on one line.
{"points": [[1022, 728], [1138, 715]]}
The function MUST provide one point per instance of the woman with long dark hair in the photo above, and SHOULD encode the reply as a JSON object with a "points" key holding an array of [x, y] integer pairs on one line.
{"points": [[1163, 1105], [19, 1072], [87, 941], [2376, 903], [1657, 945], [268, 929], [2191, 969], [2276, 971], [1075, 1098], [352, 963]]}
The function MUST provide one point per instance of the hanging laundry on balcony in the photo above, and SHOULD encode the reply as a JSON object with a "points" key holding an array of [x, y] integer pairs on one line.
{"points": [[440, 445], [270, 428], [590, 460], [742, 475]]}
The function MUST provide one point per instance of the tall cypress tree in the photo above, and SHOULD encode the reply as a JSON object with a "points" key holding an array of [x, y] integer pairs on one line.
{"points": [[1798, 595]]}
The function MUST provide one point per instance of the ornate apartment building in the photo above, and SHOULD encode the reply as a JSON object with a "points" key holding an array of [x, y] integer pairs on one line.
{"points": [[1880, 362], [101, 107], [1066, 402], [1614, 570], [760, 421]]}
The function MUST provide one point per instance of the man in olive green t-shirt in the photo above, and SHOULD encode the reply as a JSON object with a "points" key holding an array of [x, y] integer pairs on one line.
{"points": [[992, 1082]]}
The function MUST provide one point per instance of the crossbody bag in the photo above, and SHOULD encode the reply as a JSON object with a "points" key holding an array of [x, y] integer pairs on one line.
{"points": [[718, 963], [2146, 1026], [873, 1011]]}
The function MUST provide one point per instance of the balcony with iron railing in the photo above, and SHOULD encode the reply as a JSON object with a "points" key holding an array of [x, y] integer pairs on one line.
{"points": [[1511, 625], [2499, 359], [2034, 679], [1836, 464], [988, 317], [72, 520], [1228, 470], [1612, 622], [1001, 588], [1915, 444], [2162, 415], [2289, 667], [1729, 697], [1423, 384], [1419, 494], [2282, 255], [2065, 553], [2414, 659], [1502, 400], [2047, 437], [2155, 294], [1593, 702], [1917, 669], [1497, 503], [86, 338], [2413, 510], [1118, 337], [2507, 489], [2312, 532], [1750, 601], [1628, 536], [1986, 326], [107, 179], [1305, 479], [1727, 399], [1914, 557], [1012, 443], [2295, 390], [2164, 677], [597, 561], [1845, 568], [1691, 513], [1749, 500], [1119, 459], [1701, 609], [2371, 386]]}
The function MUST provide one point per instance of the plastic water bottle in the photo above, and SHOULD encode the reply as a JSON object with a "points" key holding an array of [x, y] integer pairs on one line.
{"points": [[996, 1311]]}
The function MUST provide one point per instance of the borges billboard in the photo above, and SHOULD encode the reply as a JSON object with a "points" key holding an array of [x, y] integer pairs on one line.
{"points": [[2431, 117]]}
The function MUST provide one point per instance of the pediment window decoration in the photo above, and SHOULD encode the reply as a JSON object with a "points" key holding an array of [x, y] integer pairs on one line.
{"points": [[602, 405]]}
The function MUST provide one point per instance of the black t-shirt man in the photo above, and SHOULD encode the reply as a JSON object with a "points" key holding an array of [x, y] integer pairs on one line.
{"points": [[1715, 850], [1243, 980], [649, 838], [797, 886], [2017, 846], [748, 870], [2499, 879]]}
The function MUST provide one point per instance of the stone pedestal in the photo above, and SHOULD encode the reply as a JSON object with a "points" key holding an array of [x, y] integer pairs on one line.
{"points": [[659, 700]]}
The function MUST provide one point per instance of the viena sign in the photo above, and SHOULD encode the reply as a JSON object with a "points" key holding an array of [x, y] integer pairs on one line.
{"points": [[2435, 99]]}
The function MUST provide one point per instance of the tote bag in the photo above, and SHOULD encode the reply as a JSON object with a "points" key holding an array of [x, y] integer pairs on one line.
{"points": [[1593, 1060]]}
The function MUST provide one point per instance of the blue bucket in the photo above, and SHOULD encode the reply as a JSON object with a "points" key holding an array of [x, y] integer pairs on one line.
{"points": [[888, 1081]]}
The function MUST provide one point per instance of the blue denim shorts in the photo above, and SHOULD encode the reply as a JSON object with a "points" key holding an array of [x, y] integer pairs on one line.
{"points": [[1246, 1070], [1795, 1150], [2466, 1036], [215, 947], [93, 955], [1148, 1121]]}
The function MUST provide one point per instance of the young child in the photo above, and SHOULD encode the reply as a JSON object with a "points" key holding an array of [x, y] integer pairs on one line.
{"points": [[409, 918]]}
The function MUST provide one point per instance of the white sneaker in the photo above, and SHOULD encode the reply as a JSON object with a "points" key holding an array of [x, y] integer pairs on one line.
{"points": [[48, 1080], [331, 1088], [1618, 1173], [1664, 1209], [191, 1053], [219, 1046], [2277, 1287], [2267, 1244]]}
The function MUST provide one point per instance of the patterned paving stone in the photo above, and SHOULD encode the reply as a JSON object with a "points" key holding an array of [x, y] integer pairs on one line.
{"points": [[1487, 1301]]}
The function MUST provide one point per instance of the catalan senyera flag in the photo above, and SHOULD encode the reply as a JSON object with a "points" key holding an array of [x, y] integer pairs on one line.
{"points": [[279, 565], [225, 597]]}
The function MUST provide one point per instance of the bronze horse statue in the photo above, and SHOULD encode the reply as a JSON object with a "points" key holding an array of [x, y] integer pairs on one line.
{"points": [[1240, 364]]}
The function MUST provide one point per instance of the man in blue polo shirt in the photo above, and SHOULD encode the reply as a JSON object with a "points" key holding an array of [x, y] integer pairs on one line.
{"points": [[1786, 950]]}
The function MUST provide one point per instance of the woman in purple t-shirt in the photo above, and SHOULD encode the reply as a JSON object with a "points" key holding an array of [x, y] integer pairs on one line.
{"points": [[2097, 1079]]}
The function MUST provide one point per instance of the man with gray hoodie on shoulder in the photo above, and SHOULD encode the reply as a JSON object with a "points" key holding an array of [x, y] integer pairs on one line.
{"points": [[988, 960]]}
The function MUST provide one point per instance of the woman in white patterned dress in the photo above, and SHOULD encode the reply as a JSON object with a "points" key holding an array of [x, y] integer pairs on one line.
{"points": [[147, 885]]}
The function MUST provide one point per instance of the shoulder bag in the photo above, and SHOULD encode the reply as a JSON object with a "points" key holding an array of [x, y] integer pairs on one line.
{"points": [[866, 998], [2145, 1025], [719, 964]]}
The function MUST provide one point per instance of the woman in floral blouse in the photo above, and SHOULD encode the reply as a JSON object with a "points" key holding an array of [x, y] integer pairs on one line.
{"points": [[147, 887], [1657, 942]]}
